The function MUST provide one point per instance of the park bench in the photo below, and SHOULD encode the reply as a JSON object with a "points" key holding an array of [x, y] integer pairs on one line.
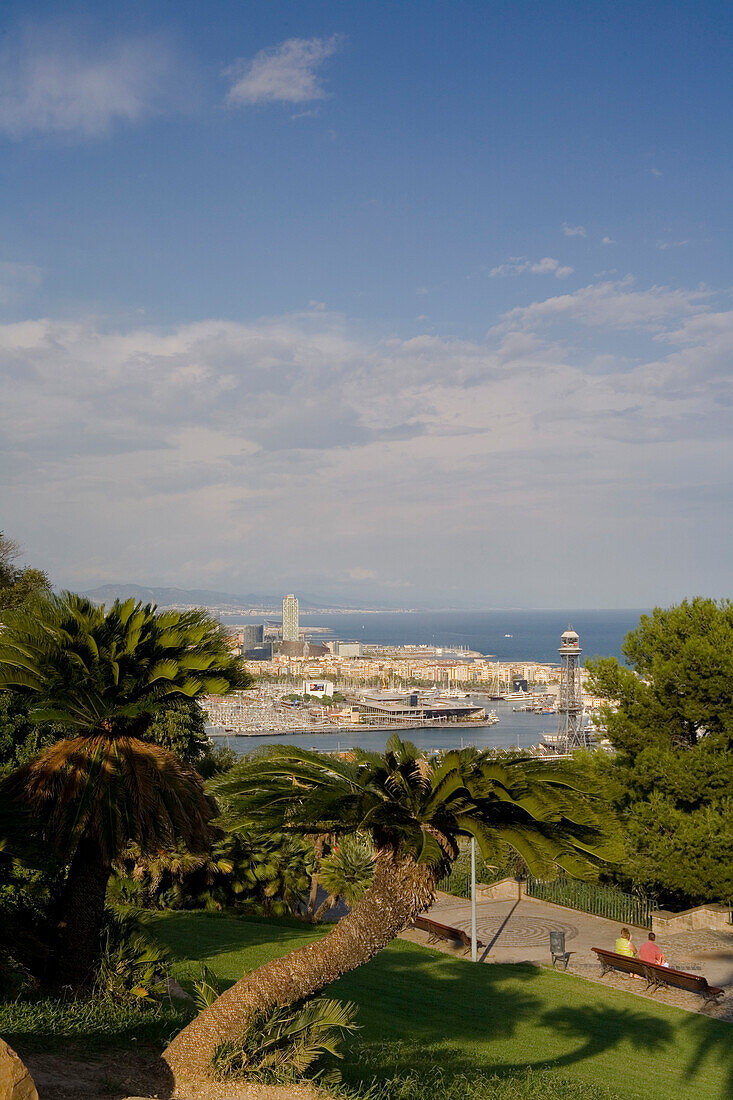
{"points": [[657, 976], [437, 931]]}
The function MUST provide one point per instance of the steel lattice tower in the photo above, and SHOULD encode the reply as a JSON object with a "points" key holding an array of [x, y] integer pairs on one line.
{"points": [[570, 704]]}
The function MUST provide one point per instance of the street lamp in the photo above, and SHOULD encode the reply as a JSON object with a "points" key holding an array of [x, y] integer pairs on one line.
{"points": [[474, 941]]}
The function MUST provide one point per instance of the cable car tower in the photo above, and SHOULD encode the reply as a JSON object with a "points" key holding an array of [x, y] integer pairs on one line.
{"points": [[570, 732]]}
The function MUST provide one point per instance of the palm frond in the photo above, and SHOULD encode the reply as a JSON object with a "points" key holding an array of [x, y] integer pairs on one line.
{"points": [[121, 789], [418, 806]]}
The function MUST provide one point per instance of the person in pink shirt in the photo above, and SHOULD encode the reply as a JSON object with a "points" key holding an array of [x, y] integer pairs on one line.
{"points": [[650, 953]]}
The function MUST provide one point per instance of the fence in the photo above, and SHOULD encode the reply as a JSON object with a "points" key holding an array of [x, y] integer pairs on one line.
{"points": [[589, 897], [458, 883]]}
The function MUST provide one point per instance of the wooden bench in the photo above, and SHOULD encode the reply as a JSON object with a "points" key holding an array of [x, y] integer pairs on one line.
{"points": [[657, 976], [437, 931]]}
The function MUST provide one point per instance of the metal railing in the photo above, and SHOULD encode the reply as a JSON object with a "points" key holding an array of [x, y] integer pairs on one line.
{"points": [[590, 897]]}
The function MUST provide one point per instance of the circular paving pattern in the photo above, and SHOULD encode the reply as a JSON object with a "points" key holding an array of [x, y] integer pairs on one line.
{"points": [[519, 932]]}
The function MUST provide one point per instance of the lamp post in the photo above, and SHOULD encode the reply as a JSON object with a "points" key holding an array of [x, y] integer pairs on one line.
{"points": [[474, 942]]}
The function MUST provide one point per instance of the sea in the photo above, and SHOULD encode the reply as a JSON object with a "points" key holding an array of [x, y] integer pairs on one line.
{"points": [[514, 635]]}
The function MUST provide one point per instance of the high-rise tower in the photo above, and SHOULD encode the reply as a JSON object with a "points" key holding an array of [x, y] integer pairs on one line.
{"points": [[570, 704], [290, 618]]}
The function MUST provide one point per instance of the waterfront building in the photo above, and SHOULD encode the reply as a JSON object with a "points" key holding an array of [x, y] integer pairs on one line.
{"points": [[346, 649], [290, 618], [385, 708]]}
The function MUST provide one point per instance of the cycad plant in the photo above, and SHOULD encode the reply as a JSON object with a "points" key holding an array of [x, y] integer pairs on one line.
{"points": [[280, 1044], [101, 674], [347, 873], [284, 1044], [131, 968], [414, 810]]}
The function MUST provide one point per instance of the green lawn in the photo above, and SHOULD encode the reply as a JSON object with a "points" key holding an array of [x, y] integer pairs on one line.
{"points": [[419, 1009]]}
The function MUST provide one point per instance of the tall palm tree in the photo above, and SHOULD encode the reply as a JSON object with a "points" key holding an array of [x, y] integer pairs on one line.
{"points": [[102, 674], [414, 809]]}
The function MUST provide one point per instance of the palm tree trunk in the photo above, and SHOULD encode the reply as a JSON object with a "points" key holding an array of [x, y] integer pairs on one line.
{"points": [[318, 856], [82, 914], [401, 889], [323, 908]]}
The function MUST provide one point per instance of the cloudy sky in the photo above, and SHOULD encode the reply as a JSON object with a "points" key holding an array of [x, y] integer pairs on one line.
{"points": [[415, 302]]}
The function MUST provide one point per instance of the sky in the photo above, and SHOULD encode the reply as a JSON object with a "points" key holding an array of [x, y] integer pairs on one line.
{"points": [[420, 303]]}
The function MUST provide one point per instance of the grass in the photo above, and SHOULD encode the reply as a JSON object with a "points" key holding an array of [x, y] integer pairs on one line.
{"points": [[48, 1024], [520, 1030]]}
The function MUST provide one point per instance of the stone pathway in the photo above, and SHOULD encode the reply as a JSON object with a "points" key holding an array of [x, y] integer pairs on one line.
{"points": [[519, 931]]}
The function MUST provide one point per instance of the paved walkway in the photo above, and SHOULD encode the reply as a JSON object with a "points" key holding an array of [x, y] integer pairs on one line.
{"points": [[519, 931]]}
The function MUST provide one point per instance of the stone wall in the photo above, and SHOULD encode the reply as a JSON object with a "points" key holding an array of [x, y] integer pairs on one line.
{"points": [[715, 918], [506, 889]]}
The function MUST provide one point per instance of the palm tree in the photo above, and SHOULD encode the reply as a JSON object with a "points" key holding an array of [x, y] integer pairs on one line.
{"points": [[414, 810], [102, 674]]}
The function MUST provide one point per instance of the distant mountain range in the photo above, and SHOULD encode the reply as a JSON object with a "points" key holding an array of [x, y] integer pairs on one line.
{"points": [[199, 597]]}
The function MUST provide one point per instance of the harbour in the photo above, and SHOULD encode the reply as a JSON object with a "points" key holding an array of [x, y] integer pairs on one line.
{"points": [[512, 730]]}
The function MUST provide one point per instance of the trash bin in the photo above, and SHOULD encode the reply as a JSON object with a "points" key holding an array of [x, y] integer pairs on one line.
{"points": [[557, 948]]}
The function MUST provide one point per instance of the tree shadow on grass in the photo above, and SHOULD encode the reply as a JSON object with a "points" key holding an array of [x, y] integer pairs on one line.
{"points": [[439, 1014], [599, 1029], [200, 936], [713, 1043]]}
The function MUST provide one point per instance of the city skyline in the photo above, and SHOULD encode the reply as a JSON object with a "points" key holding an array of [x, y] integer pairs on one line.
{"points": [[426, 310]]}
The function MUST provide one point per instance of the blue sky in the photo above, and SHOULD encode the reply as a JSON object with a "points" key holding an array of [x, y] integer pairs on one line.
{"points": [[421, 302]]}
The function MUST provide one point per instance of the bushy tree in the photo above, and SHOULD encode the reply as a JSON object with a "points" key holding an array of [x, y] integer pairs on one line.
{"points": [[17, 585], [21, 738], [669, 716], [103, 674], [179, 726]]}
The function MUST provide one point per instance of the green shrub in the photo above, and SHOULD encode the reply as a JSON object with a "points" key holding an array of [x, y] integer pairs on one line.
{"points": [[131, 968], [285, 1044], [266, 874]]}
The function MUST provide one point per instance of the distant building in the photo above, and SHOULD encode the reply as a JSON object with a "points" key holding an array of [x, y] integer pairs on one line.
{"points": [[345, 649], [261, 652], [251, 636], [302, 649], [290, 618], [320, 688]]}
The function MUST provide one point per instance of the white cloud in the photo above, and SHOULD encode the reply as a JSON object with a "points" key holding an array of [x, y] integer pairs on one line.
{"points": [[655, 172], [234, 455], [59, 87], [608, 240], [517, 265], [614, 305], [664, 245], [574, 230], [282, 74]]}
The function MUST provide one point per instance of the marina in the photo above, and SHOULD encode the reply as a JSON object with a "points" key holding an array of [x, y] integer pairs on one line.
{"points": [[510, 730]]}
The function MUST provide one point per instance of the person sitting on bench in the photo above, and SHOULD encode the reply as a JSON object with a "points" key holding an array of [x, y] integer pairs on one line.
{"points": [[650, 953], [624, 946]]}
